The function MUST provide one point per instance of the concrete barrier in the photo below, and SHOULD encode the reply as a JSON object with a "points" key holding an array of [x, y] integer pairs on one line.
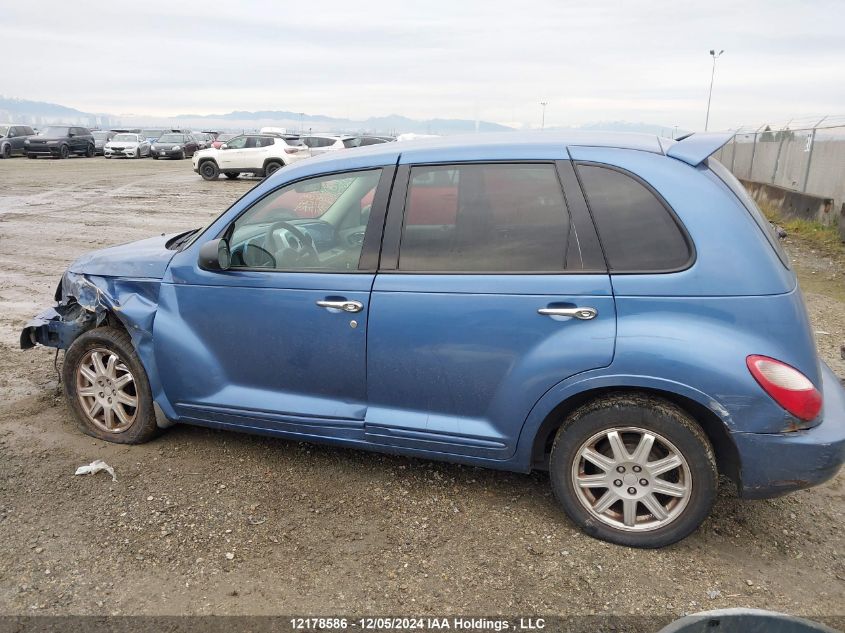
{"points": [[790, 204]]}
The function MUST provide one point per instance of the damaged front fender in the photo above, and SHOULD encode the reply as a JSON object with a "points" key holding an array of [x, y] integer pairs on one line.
{"points": [[86, 301]]}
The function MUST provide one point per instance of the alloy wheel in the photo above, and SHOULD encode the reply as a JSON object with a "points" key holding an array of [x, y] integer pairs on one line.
{"points": [[106, 390], [631, 479]]}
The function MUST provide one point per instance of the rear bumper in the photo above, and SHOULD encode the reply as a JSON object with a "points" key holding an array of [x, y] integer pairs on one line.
{"points": [[773, 464]]}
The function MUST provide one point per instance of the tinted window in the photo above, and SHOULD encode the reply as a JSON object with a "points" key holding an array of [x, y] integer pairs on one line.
{"points": [[316, 224], [484, 218], [637, 231]]}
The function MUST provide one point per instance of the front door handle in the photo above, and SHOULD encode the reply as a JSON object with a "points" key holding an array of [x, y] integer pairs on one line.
{"points": [[341, 304], [584, 314]]}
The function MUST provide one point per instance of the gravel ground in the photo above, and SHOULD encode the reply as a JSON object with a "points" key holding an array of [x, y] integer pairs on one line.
{"points": [[204, 522]]}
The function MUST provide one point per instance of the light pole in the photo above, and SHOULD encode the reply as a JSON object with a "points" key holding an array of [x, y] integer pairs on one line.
{"points": [[715, 56], [543, 120], [300, 121]]}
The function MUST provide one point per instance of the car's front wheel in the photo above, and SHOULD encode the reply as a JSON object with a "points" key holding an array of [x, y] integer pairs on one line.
{"points": [[90, 151], [634, 470], [64, 151], [6, 151], [107, 387], [209, 170]]}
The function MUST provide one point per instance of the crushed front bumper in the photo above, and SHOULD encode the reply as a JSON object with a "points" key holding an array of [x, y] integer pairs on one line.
{"points": [[773, 464], [58, 326]]}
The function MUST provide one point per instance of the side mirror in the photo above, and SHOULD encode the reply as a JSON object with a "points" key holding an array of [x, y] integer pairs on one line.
{"points": [[215, 255]]}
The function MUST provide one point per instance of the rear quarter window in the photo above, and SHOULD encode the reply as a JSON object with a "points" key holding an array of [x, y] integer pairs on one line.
{"points": [[638, 232]]}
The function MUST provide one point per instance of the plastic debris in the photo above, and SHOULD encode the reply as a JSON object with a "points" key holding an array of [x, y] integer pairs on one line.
{"points": [[94, 467]]}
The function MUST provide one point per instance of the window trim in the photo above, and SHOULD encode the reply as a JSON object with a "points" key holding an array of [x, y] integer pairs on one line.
{"points": [[395, 224], [693, 253], [376, 219]]}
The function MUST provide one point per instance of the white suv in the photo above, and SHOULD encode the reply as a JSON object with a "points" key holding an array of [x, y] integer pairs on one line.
{"points": [[259, 154]]}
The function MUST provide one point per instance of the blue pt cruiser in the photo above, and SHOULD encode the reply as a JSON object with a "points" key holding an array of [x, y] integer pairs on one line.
{"points": [[611, 308]]}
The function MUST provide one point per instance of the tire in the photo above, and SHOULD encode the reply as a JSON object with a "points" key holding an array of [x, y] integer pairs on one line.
{"points": [[107, 343], [32, 156], [181, 155], [64, 152], [271, 168], [676, 436], [209, 170], [7, 151], [154, 157], [231, 175], [90, 152]]}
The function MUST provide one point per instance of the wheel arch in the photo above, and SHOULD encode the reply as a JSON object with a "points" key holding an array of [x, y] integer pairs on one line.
{"points": [[714, 427], [273, 159]]}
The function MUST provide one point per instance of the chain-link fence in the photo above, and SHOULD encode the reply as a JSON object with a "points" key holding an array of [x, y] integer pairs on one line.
{"points": [[795, 156]]}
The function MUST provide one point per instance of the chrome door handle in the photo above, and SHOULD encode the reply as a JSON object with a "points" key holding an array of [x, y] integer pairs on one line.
{"points": [[346, 306], [585, 314]]}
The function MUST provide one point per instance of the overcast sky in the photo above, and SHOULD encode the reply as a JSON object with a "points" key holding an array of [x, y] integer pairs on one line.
{"points": [[592, 61]]}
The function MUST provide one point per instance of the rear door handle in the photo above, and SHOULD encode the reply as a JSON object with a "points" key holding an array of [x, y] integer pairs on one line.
{"points": [[584, 314], [342, 304]]}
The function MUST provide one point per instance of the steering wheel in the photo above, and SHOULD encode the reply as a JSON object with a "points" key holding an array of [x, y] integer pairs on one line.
{"points": [[290, 254]]}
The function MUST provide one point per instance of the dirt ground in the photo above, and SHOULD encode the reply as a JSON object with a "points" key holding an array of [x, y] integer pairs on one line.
{"points": [[205, 522]]}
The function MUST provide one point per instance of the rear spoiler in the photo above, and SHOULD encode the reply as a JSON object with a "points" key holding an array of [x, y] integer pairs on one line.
{"points": [[694, 149]]}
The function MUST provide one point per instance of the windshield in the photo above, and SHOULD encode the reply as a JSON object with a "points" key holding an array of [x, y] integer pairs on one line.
{"points": [[151, 133], [171, 138], [226, 137], [100, 136], [4, 129], [125, 137], [53, 131]]}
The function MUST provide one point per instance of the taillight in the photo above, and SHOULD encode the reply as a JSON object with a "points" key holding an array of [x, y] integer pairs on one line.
{"points": [[291, 150], [787, 386]]}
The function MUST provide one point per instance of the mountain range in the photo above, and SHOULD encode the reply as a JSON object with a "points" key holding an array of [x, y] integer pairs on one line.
{"points": [[43, 113]]}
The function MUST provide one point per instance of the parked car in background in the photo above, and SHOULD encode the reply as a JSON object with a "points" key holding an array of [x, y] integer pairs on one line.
{"points": [[101, 137], [60, 141], [222, 138], [176, 145], [258, 154], [12, 137], [323, 143], [566, 302], [152, 135], [203, 139], [128, 146]]}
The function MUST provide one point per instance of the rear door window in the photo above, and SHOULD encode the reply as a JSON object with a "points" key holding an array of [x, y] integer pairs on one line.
{"points": [[638, 231], [484, 218]]}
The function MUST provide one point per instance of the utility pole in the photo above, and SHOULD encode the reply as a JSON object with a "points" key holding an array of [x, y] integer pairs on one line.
{"points": [[715, 56], [543, 120]]}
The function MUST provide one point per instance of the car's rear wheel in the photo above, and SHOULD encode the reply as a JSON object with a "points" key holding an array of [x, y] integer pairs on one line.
{"points": [[64, 151], [271, 168], [634, 470], [232, 175], [107, 387], [209, 170]]}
